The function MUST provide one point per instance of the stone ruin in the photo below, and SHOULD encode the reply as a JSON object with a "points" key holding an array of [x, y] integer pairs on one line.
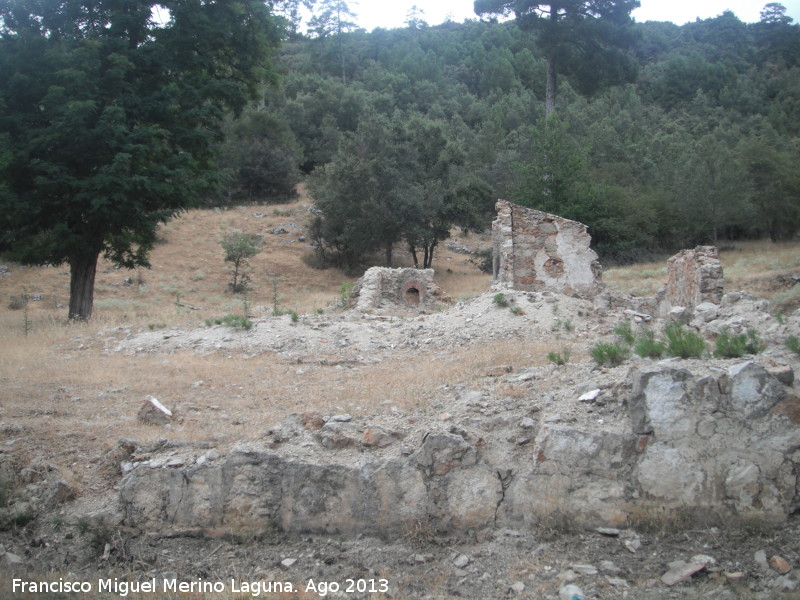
{"points": [[720, 443], [694, 277], [381, 287], [535, 251]]}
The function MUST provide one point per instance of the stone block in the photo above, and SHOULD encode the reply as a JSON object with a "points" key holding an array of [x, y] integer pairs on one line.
{"points": [[154, 413]]}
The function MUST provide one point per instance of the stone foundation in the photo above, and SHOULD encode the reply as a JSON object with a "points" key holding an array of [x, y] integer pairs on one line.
{"points": [[719, 442], [536, 251]]}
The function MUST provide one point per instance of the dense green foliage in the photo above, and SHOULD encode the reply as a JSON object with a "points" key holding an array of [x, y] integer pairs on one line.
{"points": [[586, 39], [702, 147], [109, 118]]}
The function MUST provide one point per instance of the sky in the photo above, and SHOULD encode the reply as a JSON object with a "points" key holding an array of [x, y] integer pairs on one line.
{"points": [[380, 13]]}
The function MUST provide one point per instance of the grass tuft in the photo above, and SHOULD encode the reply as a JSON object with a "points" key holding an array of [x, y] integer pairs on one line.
{"points": [[683, 343], [500, 300], [647, 346], [610, 354], [793, 344], [729, 345], [559, 358]]}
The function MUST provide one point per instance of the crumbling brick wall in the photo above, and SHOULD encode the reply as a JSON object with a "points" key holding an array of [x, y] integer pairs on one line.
{"points": [[536, 251], [694, 276], [381, 287]]}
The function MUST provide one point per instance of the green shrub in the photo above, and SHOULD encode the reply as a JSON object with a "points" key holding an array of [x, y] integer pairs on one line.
{"points": [[239, 247], [625, 332], [500, 300], [516, 310], [237, 321], [683, 343], [610, 354], [559, 358], [231, 321], [793, 344], [345, 292], [647, 346], [729, 345], [294, 316]]}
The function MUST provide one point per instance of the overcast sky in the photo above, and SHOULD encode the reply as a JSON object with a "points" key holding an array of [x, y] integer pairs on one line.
{"points": [[380, 13]]}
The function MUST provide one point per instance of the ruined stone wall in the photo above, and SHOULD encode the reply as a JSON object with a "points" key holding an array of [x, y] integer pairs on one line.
{"points": [[695, 276], [537, 251], [722, 442], [382, 287]]}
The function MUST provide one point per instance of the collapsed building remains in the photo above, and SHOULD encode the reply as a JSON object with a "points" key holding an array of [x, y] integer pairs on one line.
{"points": [[381, 287], [536, 251]]}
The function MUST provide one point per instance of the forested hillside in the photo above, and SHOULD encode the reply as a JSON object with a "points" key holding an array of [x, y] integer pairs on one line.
{"points": [[406, 131]]}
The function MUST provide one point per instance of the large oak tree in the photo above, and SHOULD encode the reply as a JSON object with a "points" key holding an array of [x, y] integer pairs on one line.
{"points": [[109, 113]]}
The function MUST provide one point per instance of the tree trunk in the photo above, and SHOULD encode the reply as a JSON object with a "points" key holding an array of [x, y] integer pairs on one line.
{"points": [[550, 90], [429, 249], [389, 246], [82, 271], [413, 250]]}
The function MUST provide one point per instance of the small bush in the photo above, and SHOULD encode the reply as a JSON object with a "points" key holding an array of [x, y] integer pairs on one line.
{"points": [[729, 345], [345, 292], [237, 321], [559, 358], [231, 321], [500, 300], [625, 332], [18, 302], [239, 247], [683, 343], [516, 310], [647, 346], [419, 533], [610, 354], [793, 344], [294, 316]]}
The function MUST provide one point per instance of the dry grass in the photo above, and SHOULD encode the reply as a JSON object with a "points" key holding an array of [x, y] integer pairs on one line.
{"points": [[757, 267], [644, 279]]}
